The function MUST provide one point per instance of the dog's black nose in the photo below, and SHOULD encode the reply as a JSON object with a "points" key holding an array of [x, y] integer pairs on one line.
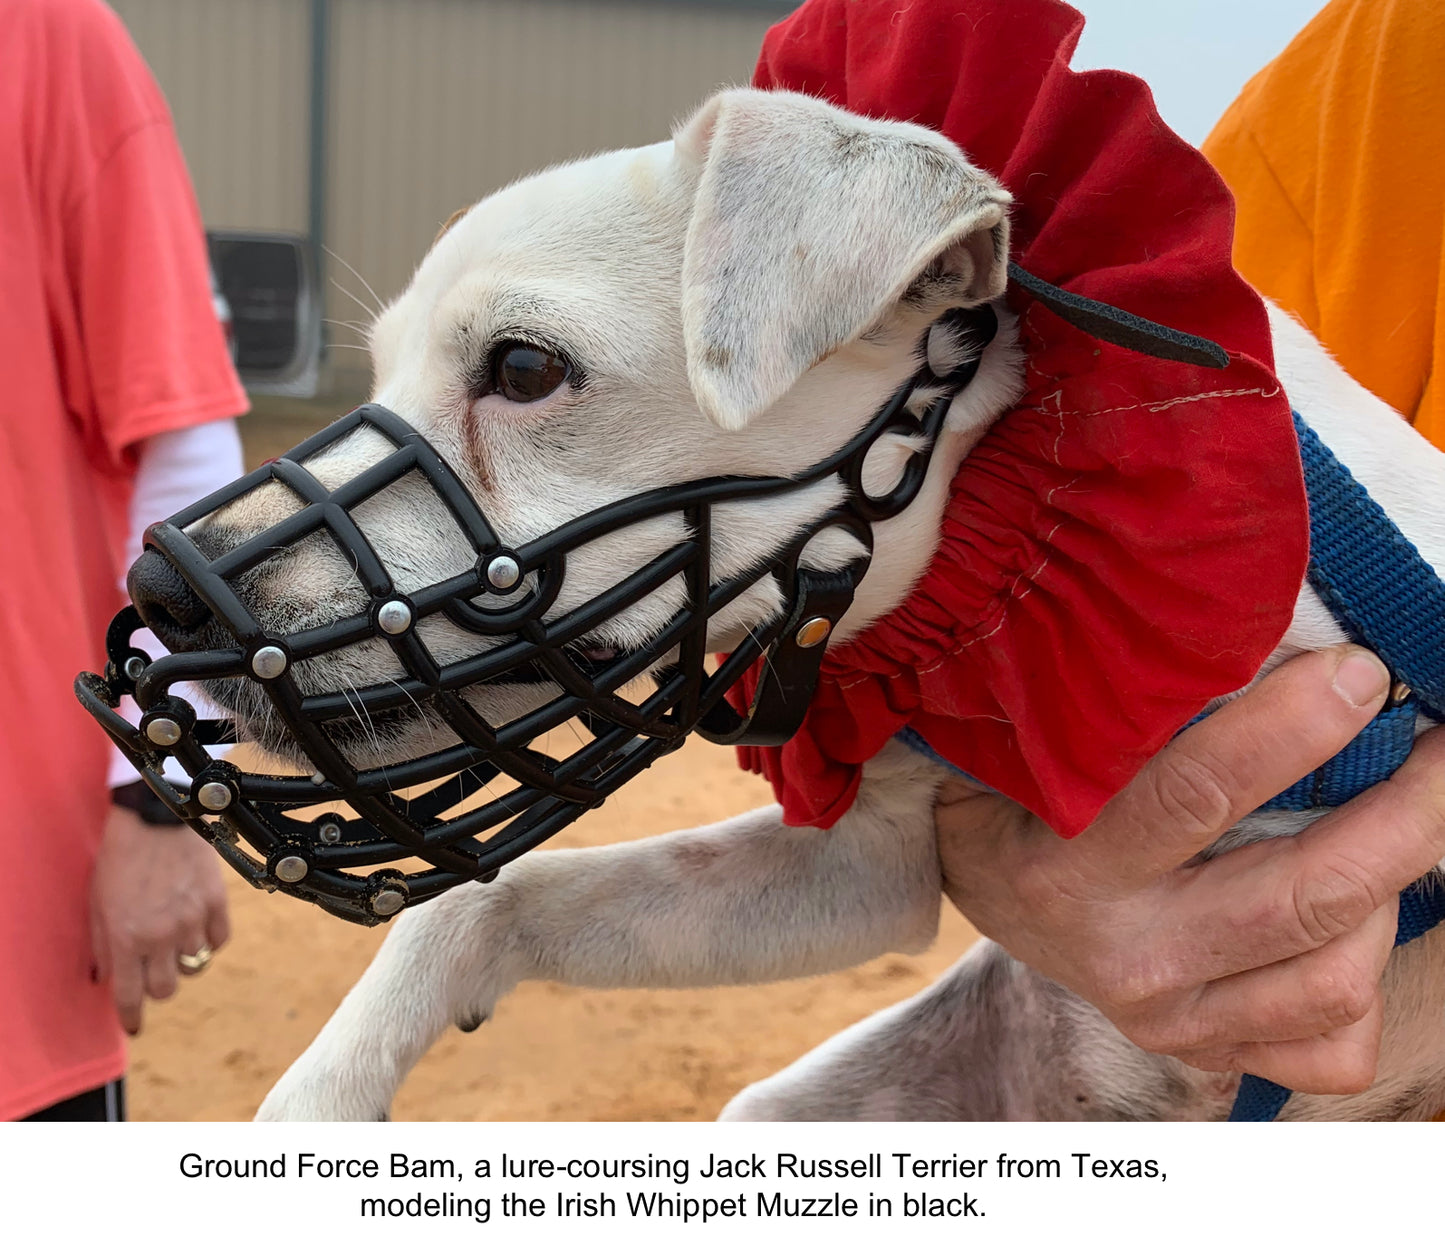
{"points": [[167, 604]]}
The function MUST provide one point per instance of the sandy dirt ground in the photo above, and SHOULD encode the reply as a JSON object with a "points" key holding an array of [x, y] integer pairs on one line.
{"points": [[550, 1052]]}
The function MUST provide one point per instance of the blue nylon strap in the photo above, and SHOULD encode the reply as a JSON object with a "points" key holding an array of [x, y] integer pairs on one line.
{"points": [[1422, 908], [1389, 599], [1371, 757], [1258, 1099], [1375, 582]]}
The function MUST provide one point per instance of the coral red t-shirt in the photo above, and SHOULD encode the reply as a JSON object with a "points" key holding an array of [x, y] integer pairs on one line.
{"points": [[107, 336]]}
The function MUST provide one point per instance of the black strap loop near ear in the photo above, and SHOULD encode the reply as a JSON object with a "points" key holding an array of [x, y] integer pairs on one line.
{"points": [[1111, 324]]}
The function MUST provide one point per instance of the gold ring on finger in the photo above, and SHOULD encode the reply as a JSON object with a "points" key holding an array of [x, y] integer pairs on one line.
{"points": [[194, 962]]}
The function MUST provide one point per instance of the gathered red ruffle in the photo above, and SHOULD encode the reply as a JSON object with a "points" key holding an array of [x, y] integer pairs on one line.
{"points": [[1129, 541]]}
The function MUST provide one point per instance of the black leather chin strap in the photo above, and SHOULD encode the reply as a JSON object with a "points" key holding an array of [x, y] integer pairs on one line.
{"points": [[789, 675]]}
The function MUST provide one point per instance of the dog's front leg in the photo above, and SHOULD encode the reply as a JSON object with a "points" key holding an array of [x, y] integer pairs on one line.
{"points": [[746, 900]]}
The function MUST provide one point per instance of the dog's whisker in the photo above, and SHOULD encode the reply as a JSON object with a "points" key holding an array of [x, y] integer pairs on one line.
{"points": [[424, 717], [355, 713], [376, 298], [356, 326], [767, 661], [577, 731], [363, 717], [368, 310]]}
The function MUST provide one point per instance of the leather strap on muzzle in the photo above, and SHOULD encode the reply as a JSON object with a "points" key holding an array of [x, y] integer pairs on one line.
{"points": [[1121, 328], [790, 675]]}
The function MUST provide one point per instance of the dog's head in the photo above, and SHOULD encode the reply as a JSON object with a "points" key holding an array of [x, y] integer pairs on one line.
{"points": [[737, 302]]}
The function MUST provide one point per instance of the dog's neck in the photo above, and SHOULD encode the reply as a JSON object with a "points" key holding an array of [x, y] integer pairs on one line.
{"points": [[904, 546]]}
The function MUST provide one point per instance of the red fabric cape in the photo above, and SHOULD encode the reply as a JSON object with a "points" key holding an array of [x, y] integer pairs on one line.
{"points": [[1130, 540]]}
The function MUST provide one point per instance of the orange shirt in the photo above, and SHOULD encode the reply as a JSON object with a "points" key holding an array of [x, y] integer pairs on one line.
{"points": [[1335, 152], [107, 336]]}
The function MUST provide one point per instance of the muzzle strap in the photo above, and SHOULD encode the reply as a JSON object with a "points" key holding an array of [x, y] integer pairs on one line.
{"points": [[790, 675], [1121, 328]]}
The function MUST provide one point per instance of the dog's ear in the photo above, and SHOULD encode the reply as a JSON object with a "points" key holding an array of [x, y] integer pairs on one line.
{"points": [[449, 222], [809, 223]]}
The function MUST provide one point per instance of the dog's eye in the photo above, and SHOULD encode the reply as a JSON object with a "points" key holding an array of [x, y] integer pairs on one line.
{"points": [[525, 373]]}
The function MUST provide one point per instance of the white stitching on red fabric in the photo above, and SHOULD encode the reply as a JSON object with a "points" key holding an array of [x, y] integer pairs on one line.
{"points": [[1028, 578], [1161, 406]]}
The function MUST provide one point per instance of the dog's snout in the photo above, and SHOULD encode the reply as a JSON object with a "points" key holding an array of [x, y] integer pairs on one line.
{"points": [[167, 604]]}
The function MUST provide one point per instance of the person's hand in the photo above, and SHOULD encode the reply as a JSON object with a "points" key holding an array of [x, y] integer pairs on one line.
{"points": [[1265, 960], [157, 894]]}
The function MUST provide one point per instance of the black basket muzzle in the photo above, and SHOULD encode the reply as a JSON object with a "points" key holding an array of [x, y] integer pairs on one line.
{"points": [[434, 812]]}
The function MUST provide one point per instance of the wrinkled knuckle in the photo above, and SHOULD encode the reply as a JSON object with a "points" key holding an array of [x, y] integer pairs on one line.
{"points": [[1194, 794], [152, 935], [1354, 1073], [1345, 993], [1127, 988], [1215, 1059], [1164, 1034], [1332, 900]]}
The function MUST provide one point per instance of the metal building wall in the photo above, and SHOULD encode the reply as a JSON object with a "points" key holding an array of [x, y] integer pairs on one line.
{"points": [[236, 73], [431, 104], [435, 103]]}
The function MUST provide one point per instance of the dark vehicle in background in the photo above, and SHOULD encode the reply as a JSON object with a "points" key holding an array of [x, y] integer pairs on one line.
{"points": [[267, 284], [222, 309]]}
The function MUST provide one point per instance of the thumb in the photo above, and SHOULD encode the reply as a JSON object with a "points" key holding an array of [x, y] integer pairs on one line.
{"points": [[1204, 781]]}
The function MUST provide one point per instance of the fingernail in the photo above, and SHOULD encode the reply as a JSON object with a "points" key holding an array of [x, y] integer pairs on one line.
{"points": [[1361, 678]]}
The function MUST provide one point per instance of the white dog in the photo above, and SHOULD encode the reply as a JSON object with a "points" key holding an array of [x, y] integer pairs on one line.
{"points": [[659, 273]]}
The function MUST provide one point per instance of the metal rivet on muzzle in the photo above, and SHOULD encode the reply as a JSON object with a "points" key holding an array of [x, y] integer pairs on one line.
{"points": [[268, 662], [330, 833], [134, 668], [503, 572], [813, 632], [214, 796], [394, 617], [291, 869], [163, 731], [387, 902]]}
